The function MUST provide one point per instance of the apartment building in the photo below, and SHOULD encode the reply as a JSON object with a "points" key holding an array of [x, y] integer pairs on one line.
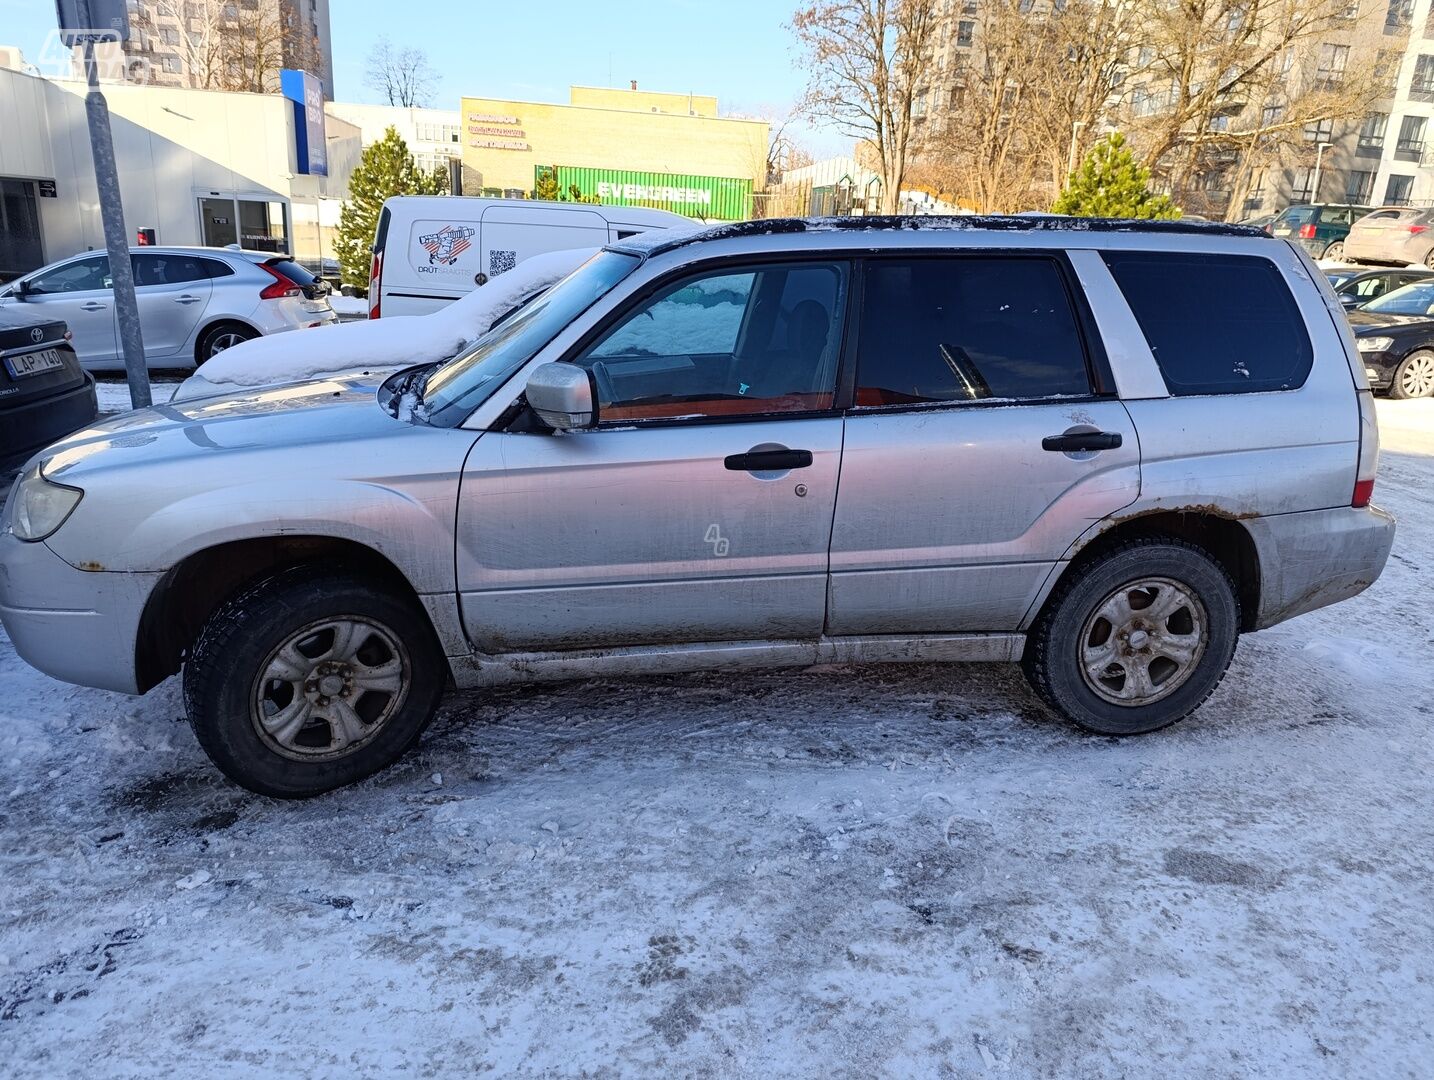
{"points": [[434, 136], [1379, 51], [221, 44]]}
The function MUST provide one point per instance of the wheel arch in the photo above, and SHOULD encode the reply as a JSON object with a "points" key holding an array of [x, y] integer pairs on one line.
{"points": [[213, 323], [195, 587], [1219, 534]]}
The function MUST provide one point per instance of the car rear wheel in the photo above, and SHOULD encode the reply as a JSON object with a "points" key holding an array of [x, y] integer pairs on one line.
{"points": [[224, 336], [1414, 378], [1335, 251], [1429, 259], [1137, 639], [311, 680]]}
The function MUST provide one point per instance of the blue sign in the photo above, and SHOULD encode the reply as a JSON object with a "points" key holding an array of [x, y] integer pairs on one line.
{"points": [[310, 143]]}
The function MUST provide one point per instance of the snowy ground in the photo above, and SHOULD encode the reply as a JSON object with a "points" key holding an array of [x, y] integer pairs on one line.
{"points": [[909, 871]]}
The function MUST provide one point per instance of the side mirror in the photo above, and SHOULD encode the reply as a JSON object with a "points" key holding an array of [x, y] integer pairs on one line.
{"points": [[20, 289], [562, 396]]}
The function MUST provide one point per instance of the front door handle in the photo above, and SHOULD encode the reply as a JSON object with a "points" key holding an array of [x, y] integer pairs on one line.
{"points": [[769, 460], [92, 306], [1076, 441]]}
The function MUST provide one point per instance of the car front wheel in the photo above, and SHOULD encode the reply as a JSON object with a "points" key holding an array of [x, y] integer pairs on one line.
{"points": [[1334, 251], [311, 680], [1414, 378], [1137, 639]]}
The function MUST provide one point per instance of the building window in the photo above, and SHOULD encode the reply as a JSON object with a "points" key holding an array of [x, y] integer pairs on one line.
{"points": [[169, 35], [1332, 61], [1271, 115], [1257, 187], [1350, 12], [1400, 15], [1321, 131], [1359, 187], [1410, 146], [968, 7], [172, 65], [1398, 190], [1423, 82], [1302, 186], [1220, 123], [1386, 70], [1371, 132], [965, 32]]}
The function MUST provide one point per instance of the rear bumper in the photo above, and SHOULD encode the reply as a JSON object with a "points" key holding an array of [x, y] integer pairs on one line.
{"points": [[28, 425], [1314, 559], [71, 624]]}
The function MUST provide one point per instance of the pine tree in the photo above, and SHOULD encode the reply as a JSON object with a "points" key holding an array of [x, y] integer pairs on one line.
{"points": [[386, 169], [1110, 184], [547, 185]]}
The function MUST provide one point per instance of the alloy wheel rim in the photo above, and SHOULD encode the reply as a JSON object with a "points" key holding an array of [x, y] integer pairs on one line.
{"points": [[1417, 378], [1143, 642], [225, 341], [329, 688]]}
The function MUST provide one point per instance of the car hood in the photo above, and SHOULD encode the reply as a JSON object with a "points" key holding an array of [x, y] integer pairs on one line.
{"points": [[271, 418], [1371, 322]]}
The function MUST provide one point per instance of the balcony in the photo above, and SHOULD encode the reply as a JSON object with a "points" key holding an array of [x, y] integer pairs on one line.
{"points": [[1421, 90], [1370, 146], [1409, 150]]}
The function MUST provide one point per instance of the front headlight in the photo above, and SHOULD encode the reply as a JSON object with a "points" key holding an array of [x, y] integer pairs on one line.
{"points": [[1374, 344], [39, 506]]}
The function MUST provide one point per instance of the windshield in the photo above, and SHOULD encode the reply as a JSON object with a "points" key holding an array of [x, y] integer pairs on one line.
{"points": [[1339, 277], [1415, 299], [461, 385], [1297, 215]]}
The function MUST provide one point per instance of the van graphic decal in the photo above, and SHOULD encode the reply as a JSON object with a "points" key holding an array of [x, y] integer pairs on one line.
{"points": [[447, 243]]}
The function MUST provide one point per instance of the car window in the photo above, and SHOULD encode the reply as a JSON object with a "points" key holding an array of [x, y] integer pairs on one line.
{"points": [[1340, 215], [734, 342], [164, 269], [216, 269], [967, 329], [1338, 278], [1370, 287], [1414, 299], [293, 271], [82, 275], [1217, 324], [1298, 215]]}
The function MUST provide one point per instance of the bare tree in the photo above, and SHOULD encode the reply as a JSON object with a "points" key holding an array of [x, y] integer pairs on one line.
{"points": [[226, 46], [866, 61], [402, 76]]}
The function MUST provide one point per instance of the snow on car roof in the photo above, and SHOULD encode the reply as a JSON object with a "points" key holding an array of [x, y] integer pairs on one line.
{"points": [[652, 243]]}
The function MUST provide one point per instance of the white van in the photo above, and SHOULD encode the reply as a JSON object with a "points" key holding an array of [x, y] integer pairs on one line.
{"points": [[431, 249]]}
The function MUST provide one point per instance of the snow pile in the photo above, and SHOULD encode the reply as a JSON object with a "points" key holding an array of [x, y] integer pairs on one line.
{"points": [[392, 342]]}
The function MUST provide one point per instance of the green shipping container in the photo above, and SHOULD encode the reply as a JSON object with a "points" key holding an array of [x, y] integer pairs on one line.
{"points": [[707, 198]]}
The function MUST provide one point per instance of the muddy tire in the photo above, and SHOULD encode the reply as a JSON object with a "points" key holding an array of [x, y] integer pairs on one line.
{"points": [[312, 679], [1334, 251], [1136, 639]]}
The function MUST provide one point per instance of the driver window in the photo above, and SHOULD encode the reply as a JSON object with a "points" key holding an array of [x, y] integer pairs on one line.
{"points": [[731, 343], [82, 275], [1371, 287]]}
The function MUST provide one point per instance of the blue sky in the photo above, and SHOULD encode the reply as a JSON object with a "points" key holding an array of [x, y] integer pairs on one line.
{"points": [[739, 50]]}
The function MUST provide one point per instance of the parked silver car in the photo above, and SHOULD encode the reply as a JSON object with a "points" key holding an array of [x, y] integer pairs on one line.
{"points": [[775, 443], [1399, 235], [193, 301]]}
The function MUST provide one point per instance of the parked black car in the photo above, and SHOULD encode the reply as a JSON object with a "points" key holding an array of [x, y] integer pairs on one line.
{"points": [[1395, 335], [1356, 286], [44, 393]]}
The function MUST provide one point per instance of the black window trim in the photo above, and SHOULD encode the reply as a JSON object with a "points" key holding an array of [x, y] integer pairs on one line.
{"points": [[1097, 363], [519, 420]]}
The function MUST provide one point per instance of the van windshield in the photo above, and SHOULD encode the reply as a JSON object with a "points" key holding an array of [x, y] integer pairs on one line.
{"points": [[465, 382]]}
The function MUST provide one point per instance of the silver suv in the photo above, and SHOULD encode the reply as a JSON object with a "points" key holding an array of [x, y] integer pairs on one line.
{"points": [[1102, 449]]}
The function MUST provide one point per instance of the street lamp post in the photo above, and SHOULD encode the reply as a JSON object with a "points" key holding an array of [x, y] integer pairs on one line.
{"points": [[1071, 159], [1319, 161]]}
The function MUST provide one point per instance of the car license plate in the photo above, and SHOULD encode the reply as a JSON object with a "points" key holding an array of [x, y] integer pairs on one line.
{"points": [[34, 363]]}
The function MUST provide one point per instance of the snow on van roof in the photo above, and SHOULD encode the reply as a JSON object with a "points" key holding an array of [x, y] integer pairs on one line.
{"points": [[653, 243]]}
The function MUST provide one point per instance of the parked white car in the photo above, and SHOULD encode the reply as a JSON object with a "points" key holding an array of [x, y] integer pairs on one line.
{"points": [[194, 302], [429, 250]]}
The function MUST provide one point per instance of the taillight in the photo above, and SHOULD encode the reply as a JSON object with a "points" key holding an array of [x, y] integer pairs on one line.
{"points": [[1307, 231], [1368, 451], [281, 288], [1416, 229], [375, 271]]}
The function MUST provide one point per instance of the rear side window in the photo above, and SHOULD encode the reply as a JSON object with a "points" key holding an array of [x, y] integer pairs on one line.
{"points": [[293, 271], [167, 269], [967, 329], [1217, 324]]}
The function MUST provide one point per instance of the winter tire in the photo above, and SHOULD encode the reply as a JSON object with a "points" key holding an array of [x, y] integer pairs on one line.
{"points": [[1334, 251], [1414, 378], [1137, 639], [218, 338], [311, 680]]}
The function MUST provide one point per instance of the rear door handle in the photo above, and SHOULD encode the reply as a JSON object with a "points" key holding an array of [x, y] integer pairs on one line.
{"points": [[186, 299], [92, 306], [1074, 442], [769, 460]]}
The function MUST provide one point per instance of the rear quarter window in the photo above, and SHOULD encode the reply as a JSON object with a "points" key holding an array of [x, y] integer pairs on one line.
{"points": [[1217, 324]]}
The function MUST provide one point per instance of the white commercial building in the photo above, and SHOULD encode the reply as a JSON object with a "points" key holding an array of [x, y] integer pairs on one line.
{"points": [[434, 136], [196, 166]]}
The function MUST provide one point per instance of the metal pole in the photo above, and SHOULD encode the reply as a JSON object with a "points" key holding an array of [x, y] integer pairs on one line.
{"points": [[102, 148], [1319, 160]]}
